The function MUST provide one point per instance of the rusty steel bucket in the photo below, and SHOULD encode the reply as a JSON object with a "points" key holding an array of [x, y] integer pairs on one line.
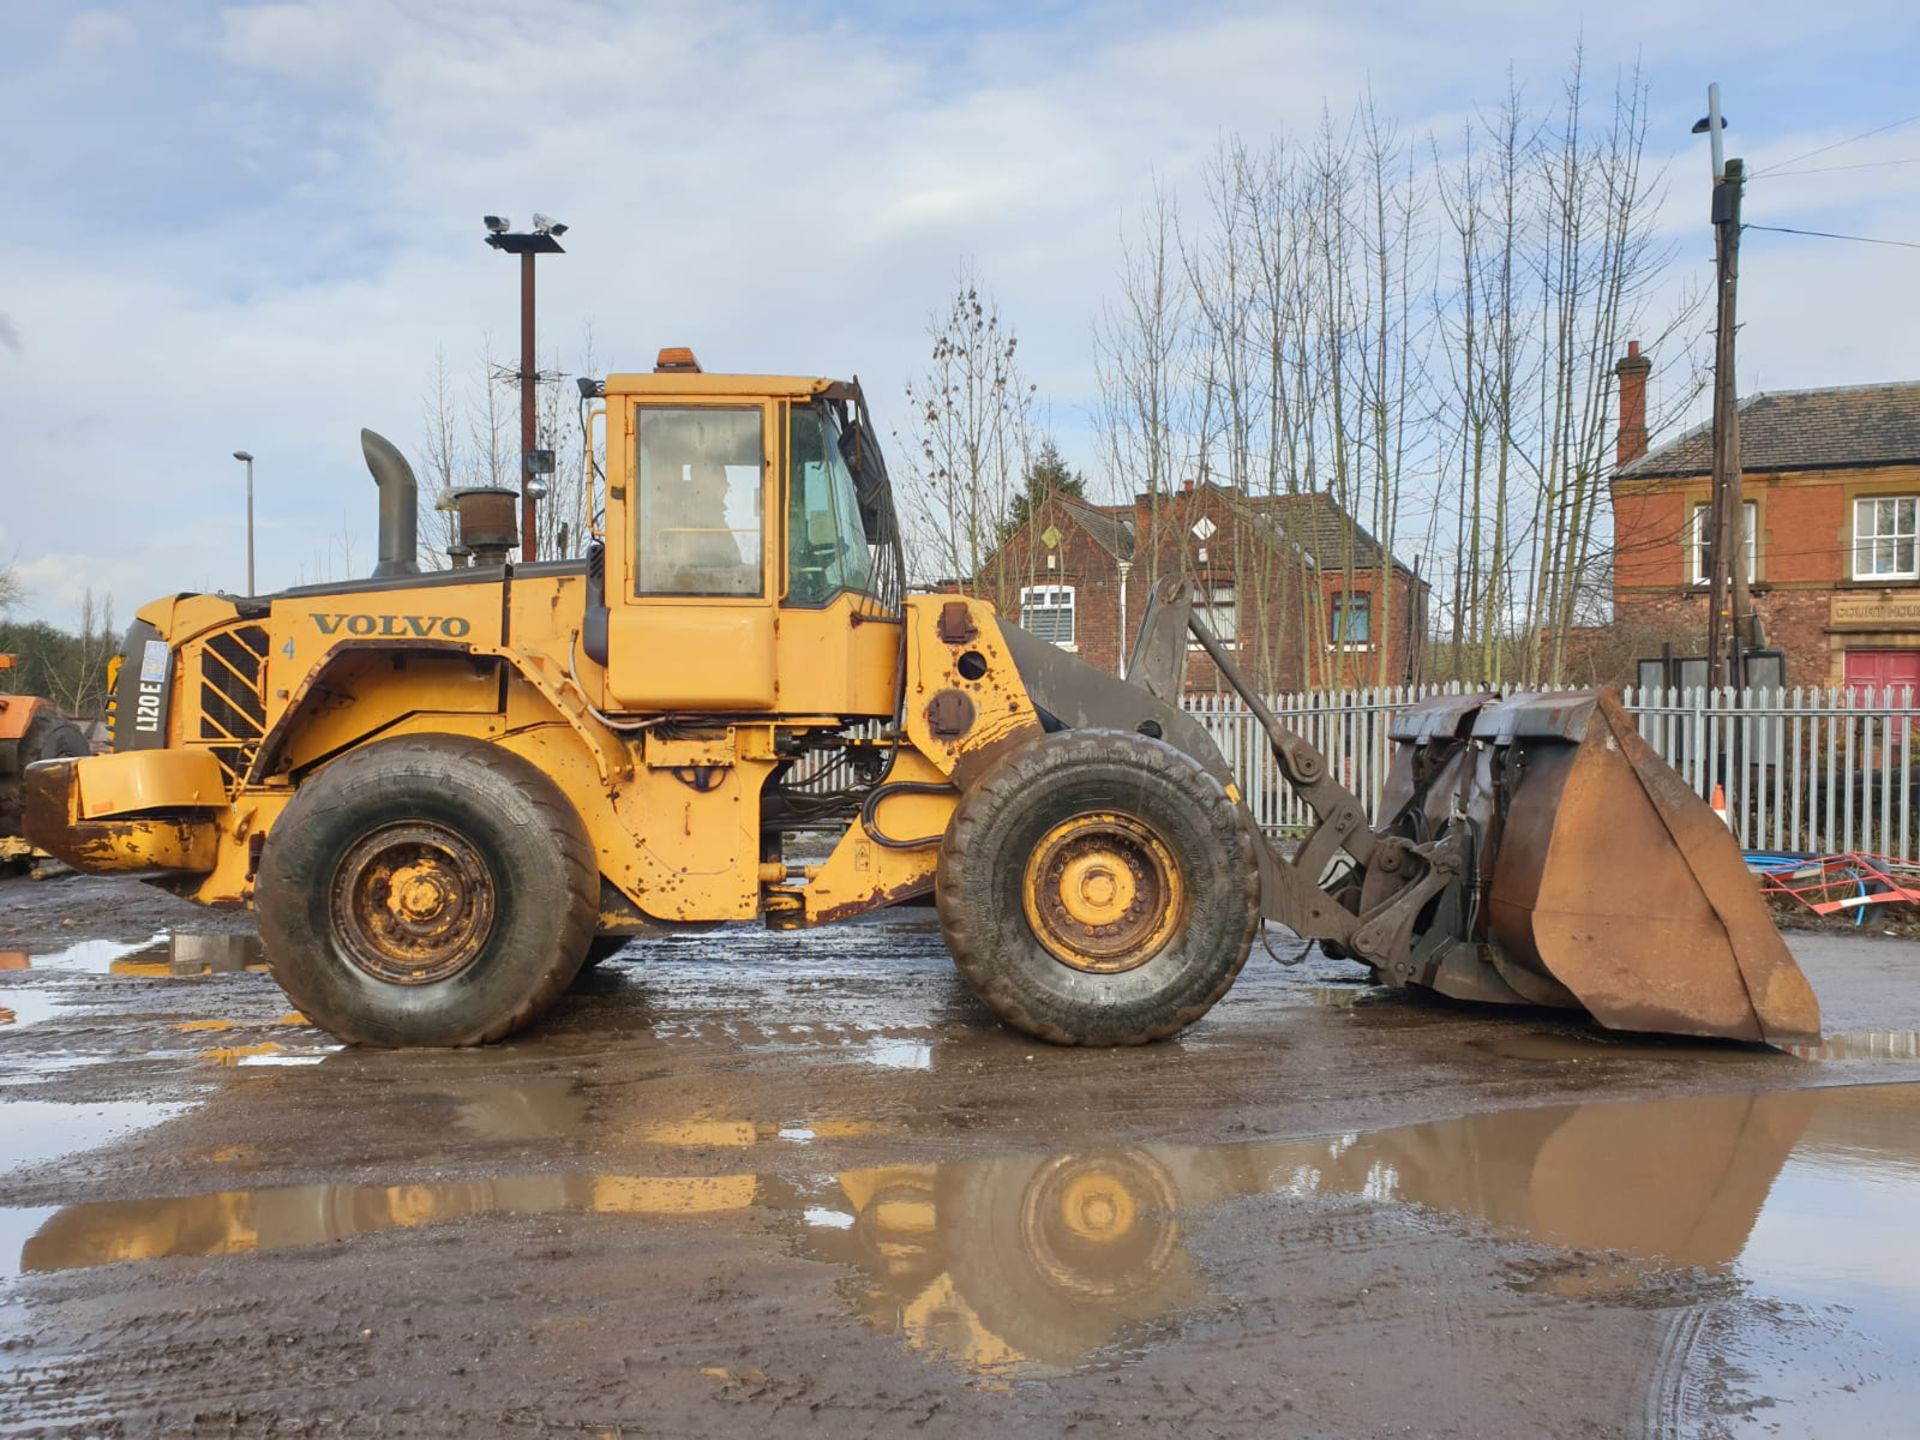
{"points": [[1599, 879]]}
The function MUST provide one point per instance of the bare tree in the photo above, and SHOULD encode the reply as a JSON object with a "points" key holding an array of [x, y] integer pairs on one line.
{"points": [[969, 443], [471, 438], [443, 458], [77, 682], [1412, 341], [1142, 348]]}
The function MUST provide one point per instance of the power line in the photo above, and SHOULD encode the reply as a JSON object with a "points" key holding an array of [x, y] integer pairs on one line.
{"points": [[1830, 169], [1829, 235], [1853, 139]]}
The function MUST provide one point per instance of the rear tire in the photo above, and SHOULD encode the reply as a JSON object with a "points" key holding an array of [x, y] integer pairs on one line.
{"points": [[51, 736], [429, 890], [1098, 887]]}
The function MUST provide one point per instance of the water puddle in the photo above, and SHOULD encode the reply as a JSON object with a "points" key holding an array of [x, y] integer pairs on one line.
{"points": [[900, 1054], [1567, 1046], [160, 956], [38, 1130], [1029, 1265], [267, 1052], [93, 957], [1864, 1045], [24, 1005], [1577, 1048]]}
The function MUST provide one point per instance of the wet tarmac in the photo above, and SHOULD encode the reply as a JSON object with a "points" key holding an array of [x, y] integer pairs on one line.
{"points": [[754, 1182]]}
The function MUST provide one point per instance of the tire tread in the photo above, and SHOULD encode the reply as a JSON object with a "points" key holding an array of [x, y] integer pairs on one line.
{"points": [[968, 922]]}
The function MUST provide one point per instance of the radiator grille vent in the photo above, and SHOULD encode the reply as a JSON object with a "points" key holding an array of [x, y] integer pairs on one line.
{"points": [[232, 710]]}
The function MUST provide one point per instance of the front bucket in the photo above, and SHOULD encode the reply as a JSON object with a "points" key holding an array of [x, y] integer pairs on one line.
{"points": [[1611, 877]]}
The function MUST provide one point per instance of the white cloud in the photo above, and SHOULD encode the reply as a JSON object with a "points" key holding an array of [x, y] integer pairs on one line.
{"points": [[92, 32], [783, 189]]}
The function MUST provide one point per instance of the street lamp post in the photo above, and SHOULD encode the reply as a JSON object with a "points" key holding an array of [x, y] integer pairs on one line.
{"points": [[543, 239], [248, 457]]}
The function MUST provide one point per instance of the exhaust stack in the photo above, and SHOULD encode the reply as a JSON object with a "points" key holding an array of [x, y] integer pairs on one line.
{"points": [[399, 506]]}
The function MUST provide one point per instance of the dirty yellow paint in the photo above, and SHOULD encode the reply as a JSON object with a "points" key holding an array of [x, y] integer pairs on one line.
{"points": [[231, 1055], [142, 969], [132, 780], [701, 1132], [672, 1195]]}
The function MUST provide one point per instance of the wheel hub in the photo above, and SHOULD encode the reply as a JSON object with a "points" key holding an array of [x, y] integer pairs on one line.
{"points": [[1103, 893], [1099, 1226], [412, 903]]}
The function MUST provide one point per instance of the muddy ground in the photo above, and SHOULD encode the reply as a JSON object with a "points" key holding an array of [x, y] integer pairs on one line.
{"points": [[747, 1183]]}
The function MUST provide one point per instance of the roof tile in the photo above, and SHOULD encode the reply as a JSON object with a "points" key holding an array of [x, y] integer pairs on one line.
{"points": [[1846, 425]]}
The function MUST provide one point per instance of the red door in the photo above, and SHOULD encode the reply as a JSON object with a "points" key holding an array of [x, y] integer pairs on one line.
{"points": [[1877, 669]]}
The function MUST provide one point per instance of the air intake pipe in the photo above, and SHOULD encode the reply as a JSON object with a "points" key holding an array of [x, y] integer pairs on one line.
{"points": [[399, 506]]}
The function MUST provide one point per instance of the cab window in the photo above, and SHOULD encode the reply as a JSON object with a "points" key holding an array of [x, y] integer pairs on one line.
{"points": [[826, 546], [697, 519]]}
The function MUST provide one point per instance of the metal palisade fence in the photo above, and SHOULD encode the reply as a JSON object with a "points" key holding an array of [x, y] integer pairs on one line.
{"points": [[1808, 770]]}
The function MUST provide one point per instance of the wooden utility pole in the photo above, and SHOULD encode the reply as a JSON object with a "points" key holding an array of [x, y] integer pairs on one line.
{"points": [[1728, 625]]}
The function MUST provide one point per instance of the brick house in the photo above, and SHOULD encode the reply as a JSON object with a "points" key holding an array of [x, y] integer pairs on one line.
{"points": [[1831, 484], [1306, 597]]}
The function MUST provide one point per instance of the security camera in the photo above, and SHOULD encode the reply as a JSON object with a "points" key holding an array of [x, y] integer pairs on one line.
{"points": [[497, 223], [547, 225]]}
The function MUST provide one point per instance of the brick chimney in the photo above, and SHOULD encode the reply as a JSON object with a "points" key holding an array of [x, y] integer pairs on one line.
{"points": [[1632, 441]]}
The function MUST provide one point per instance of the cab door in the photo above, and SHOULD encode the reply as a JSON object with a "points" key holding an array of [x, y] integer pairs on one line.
{"points": [[691, 575]]}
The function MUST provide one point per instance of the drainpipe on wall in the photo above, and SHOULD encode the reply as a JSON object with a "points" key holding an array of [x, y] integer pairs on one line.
{"points": [[1120, 648]]}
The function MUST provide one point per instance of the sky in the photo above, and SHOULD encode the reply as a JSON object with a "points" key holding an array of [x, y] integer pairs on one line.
{"points": [[257, 226]]}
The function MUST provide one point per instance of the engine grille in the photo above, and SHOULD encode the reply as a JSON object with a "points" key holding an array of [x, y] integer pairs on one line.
{"points": [[232, 710]]}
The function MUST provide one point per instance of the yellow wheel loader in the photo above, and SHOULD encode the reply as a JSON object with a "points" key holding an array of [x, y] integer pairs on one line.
{"points": [[443, 792]]}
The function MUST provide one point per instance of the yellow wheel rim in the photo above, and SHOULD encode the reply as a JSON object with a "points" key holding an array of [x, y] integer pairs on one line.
{"points": [[1103, 893], [1096, 1207], [1101, 1226]]}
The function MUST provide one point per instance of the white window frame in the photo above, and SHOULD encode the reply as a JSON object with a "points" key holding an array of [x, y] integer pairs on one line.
{"points": [[1696, 540], [1054, 600], [1336, 602], [1214, 599], [1867, 537]]}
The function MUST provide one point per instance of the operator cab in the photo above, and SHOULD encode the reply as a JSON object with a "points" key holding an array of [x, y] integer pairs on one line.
{"points": [[751, 560]]}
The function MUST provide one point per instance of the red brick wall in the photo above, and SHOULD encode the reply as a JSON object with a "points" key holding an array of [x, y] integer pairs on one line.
{"points": [[1805, 560], [1079, 561], [1280, 643]]}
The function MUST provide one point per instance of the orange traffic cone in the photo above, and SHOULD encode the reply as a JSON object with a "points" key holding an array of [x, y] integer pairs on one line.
{"points": [[1720, 804]]}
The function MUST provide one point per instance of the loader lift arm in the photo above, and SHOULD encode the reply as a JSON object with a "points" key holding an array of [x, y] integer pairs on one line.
{"points": [[1379, 933]]}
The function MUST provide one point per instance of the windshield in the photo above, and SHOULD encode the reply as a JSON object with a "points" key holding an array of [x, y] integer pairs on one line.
{"points": [[826, 544]]}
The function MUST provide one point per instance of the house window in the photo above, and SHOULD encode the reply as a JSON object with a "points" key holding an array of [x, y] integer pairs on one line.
{"points": [[1697, 541], [1884, 533], [1046, 611], [1216, 606], [1352, 621]]}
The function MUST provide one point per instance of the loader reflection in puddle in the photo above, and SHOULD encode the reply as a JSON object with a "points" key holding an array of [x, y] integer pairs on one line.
{"points": [[1033, 1264]]}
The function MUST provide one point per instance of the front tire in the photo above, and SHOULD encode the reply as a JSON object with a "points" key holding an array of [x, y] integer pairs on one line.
{"points": [[1098, 887], [427, 891]]}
